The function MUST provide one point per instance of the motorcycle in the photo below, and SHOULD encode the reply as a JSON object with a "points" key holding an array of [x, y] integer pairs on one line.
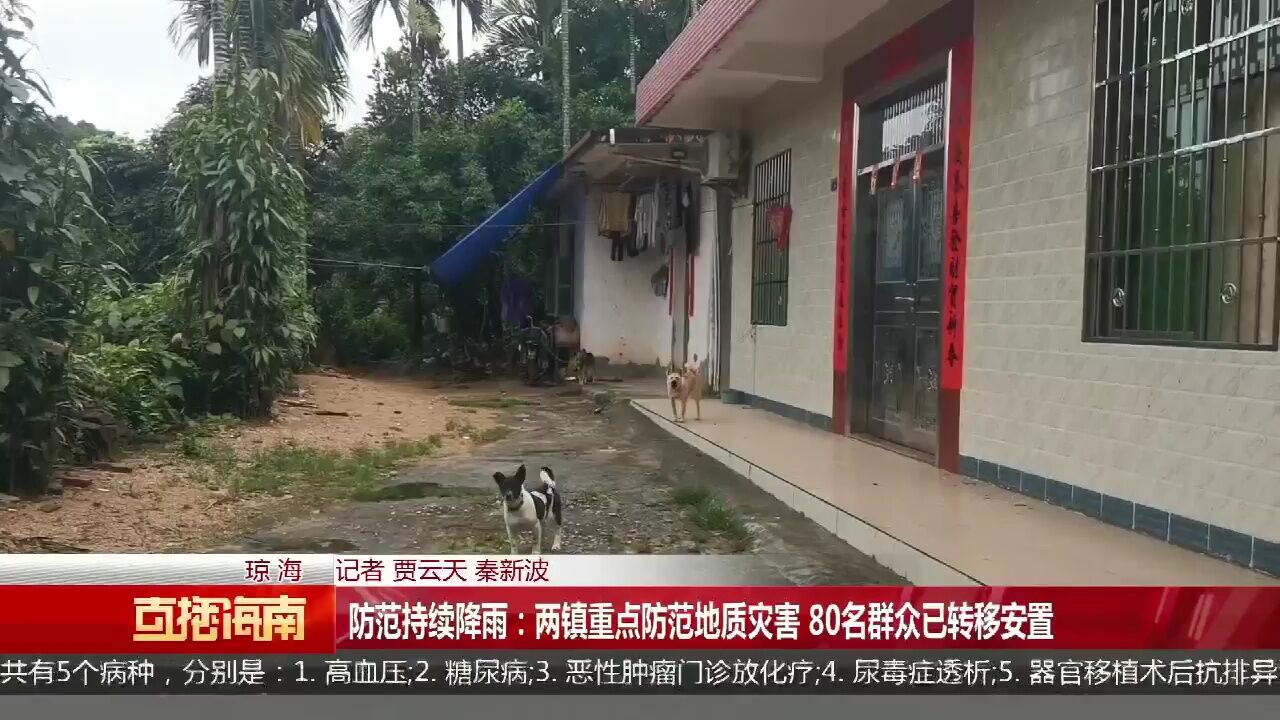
{"points": [[535, 353]]}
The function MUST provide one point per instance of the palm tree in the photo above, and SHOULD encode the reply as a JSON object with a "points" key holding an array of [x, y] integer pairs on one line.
{"points": [[632, 8], [684, 11], [422, 40], [477, 10], [526, 29], [529, 29], [300, 41], [421, 37], [366, 12], [564, 71]]}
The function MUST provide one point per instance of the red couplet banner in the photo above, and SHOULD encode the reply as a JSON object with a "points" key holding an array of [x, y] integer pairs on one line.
{"points": [[296, 619]]}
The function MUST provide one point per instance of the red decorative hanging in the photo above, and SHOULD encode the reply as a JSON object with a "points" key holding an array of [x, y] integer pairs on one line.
{"points": [[780, 225], [893, 182], [918, 170]]}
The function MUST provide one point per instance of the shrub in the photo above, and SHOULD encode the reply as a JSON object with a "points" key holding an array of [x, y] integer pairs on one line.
{"points": [[149, 314], [140, 385], [359, 330], [380, 336]]}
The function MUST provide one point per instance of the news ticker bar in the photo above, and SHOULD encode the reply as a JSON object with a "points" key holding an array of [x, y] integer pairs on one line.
{"points": [[647, 673]]}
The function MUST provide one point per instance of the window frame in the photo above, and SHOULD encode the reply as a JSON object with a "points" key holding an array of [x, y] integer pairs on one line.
{"points": [[768, 192], [1217, 50]]}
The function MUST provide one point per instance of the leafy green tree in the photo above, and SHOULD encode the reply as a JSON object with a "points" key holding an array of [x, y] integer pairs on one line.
{"points": [[74, 132], [134, 193], [391, 198], [242, 204], [48, 265], [300, 41], [612, 40]]}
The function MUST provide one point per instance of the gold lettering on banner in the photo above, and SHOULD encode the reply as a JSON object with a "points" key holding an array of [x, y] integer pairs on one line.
{"points": [[209, 619], [205, 617], [154, 620]]}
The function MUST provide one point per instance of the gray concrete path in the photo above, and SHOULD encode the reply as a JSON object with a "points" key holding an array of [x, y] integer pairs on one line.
{"points": [[627, 487]]}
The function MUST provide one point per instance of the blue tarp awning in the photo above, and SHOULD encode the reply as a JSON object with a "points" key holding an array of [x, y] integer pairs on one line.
{"points": [[472, 249]]}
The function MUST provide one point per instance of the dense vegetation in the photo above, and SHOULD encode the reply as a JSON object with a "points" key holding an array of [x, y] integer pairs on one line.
{"points": [[146, 282]]}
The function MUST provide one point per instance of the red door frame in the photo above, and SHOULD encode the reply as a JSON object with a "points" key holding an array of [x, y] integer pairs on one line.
{"points": [[949, 29]]}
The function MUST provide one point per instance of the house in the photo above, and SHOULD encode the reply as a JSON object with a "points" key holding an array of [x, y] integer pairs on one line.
{"points": [[641, 302], [1033, 242]]}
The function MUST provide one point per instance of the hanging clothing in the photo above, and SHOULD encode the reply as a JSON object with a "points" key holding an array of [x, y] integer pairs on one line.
{"points": [[659, 280], [670, 203], [689, 219], [517, 300], [646, 222], [780, 225], [615, 214], [670, 224], [634, 247], [616, 222]]}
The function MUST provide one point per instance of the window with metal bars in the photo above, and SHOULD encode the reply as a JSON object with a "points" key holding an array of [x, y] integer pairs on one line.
{"points": [[915, 123], [1184, 182], [559, 294], [771, 188]]}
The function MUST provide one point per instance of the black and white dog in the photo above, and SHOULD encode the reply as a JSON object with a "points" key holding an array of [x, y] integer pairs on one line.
{"points": [[538, 509]]}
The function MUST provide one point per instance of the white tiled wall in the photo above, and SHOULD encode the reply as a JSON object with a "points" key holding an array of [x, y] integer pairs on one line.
{"points": [[792, 364], [1195, 432]]}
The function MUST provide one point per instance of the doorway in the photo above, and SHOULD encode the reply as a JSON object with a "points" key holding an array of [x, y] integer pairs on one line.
{"points": [[897, 283]]}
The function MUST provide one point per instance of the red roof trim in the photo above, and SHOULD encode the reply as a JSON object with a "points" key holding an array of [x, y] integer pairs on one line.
{"points": [[699, 40]]}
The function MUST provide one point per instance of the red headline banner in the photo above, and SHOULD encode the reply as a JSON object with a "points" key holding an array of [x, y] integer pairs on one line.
{"points": [[803, 618], [208, 619]]}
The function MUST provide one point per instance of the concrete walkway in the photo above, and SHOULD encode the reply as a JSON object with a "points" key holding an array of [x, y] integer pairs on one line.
{"points": [[930, 526]]}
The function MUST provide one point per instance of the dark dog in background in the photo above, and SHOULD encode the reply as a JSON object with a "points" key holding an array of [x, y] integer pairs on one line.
{"points": [[538, 509]]}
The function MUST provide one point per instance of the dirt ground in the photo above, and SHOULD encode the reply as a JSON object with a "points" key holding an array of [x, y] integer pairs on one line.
{"points": [[345, 412], [160, 504], [629, 488]]}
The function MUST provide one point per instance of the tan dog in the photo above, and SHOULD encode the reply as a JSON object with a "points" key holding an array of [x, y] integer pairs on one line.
{"points": [[683, 384], [583, 366]]}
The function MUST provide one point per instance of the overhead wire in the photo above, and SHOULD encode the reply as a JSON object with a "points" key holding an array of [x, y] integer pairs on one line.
{"points": [[463, 226], [337, 263]]}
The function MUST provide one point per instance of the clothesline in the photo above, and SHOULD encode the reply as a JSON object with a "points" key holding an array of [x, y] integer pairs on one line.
{"points": [[648, 224], [462, 226], [338, 263], [635, 222]]}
